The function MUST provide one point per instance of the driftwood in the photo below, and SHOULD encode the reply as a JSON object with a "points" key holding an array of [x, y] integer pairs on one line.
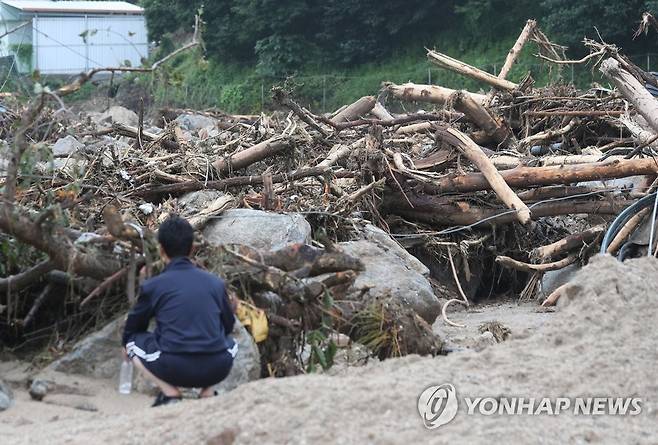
{"points": [[535, 176], [440, 211], [473, 152], [426, 93], [493, 127], [527, 267], [571, 242], [255, 153], [237, 181], [359, 108], [633, 91], [464, 69], [625, 231], [514, 53]]}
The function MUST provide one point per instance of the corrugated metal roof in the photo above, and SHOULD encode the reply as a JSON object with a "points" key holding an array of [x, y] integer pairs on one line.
{"points": [[90, 7]]}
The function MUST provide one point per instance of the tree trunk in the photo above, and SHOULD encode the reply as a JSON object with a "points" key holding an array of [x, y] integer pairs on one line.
{"points": [[253, 154], [632, 90], [495, 128], [436, 210], [523, 177], [464, 69], [426, 93], [473, 152], [354, 111]]}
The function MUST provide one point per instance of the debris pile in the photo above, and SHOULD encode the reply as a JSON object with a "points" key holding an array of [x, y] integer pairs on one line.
{"points": [[489, 190]]}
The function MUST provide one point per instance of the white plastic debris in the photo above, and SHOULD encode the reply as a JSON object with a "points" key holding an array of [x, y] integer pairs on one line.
{"points": [[147, 208]]}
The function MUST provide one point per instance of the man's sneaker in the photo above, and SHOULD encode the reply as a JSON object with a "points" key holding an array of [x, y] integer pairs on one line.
{"points": [[162, 399]]}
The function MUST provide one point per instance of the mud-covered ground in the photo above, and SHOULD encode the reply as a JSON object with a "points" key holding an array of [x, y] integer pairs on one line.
{"points": [[599, 343]]}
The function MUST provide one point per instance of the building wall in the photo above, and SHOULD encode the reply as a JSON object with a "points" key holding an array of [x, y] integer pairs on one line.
{"points": [[70, 45]]}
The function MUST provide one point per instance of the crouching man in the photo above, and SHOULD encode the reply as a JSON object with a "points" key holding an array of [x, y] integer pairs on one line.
{"points": [[191, 345]]}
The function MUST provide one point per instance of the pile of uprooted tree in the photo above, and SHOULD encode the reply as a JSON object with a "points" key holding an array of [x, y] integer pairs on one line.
{"points": [[490, 190]]}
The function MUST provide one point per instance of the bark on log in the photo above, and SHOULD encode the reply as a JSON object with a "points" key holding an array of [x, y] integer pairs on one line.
{"points": [[632, 90], [467, 70], [133, 132], [567, 244], [513, 53], [426, 93], [625, 231], [440, 211], [354, 111], [238, 181], [381, 113], [251, 155], [495, 128], [22, 280], [415, 128], [51, 240], [511, 263], [473, 152], [523, 177]]}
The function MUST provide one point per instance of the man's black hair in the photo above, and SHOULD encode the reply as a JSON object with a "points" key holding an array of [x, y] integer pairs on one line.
{"points": [[176, 236]]}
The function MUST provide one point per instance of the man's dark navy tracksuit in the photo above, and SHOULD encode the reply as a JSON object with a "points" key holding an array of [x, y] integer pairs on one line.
{"points": [[191, 345]]}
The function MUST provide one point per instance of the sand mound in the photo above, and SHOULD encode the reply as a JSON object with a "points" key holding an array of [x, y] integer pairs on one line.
{"points": [[601, 344]]}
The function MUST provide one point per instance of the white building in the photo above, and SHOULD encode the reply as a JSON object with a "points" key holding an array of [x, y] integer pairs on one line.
{"points": [[68, 37]]}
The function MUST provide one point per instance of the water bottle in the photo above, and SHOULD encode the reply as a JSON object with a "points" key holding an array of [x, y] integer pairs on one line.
{"points": [[126, 377]]}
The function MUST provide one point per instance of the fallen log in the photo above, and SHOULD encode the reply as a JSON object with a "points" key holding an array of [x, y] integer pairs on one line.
{"points": [[467, 70], [133, 132], [381, 113], [237, 181], [24, 279], [523, 177], [626, 231], [473, 152], [632, 90], [354, 111], [426, 93], [253, 154], [440, 211], [494, 127], [515, 51], [567, 244], [511, 263]]}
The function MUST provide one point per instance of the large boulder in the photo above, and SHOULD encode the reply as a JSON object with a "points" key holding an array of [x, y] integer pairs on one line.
{"points": [[66, 146], [246, 366], [118, 115], [391, 270], [6, 396], [97, 355], [258, 229], [195, 122]]}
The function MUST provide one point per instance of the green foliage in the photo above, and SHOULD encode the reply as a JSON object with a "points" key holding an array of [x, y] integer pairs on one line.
{"points": [[571, 21], [168, 16], [23, 53], [323, 351]]}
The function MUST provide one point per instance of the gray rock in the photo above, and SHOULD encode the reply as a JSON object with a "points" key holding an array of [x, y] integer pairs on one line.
{"points": [[196, 201], [555, 278], [118, 115], [97, 355], [38, 389], [258, 229], [66, 146], [390, 270], [195, 122], [246, 366], [6, 396]]}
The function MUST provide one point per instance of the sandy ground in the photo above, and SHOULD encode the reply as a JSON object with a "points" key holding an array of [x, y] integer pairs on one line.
{"points": [[600, 343]]}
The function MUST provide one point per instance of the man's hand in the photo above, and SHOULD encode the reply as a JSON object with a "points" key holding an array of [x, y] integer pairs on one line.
{"points": [[232, 300]]}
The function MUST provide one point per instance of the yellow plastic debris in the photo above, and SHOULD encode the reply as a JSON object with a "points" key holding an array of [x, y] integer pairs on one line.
{"points": [[254, 319]]}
